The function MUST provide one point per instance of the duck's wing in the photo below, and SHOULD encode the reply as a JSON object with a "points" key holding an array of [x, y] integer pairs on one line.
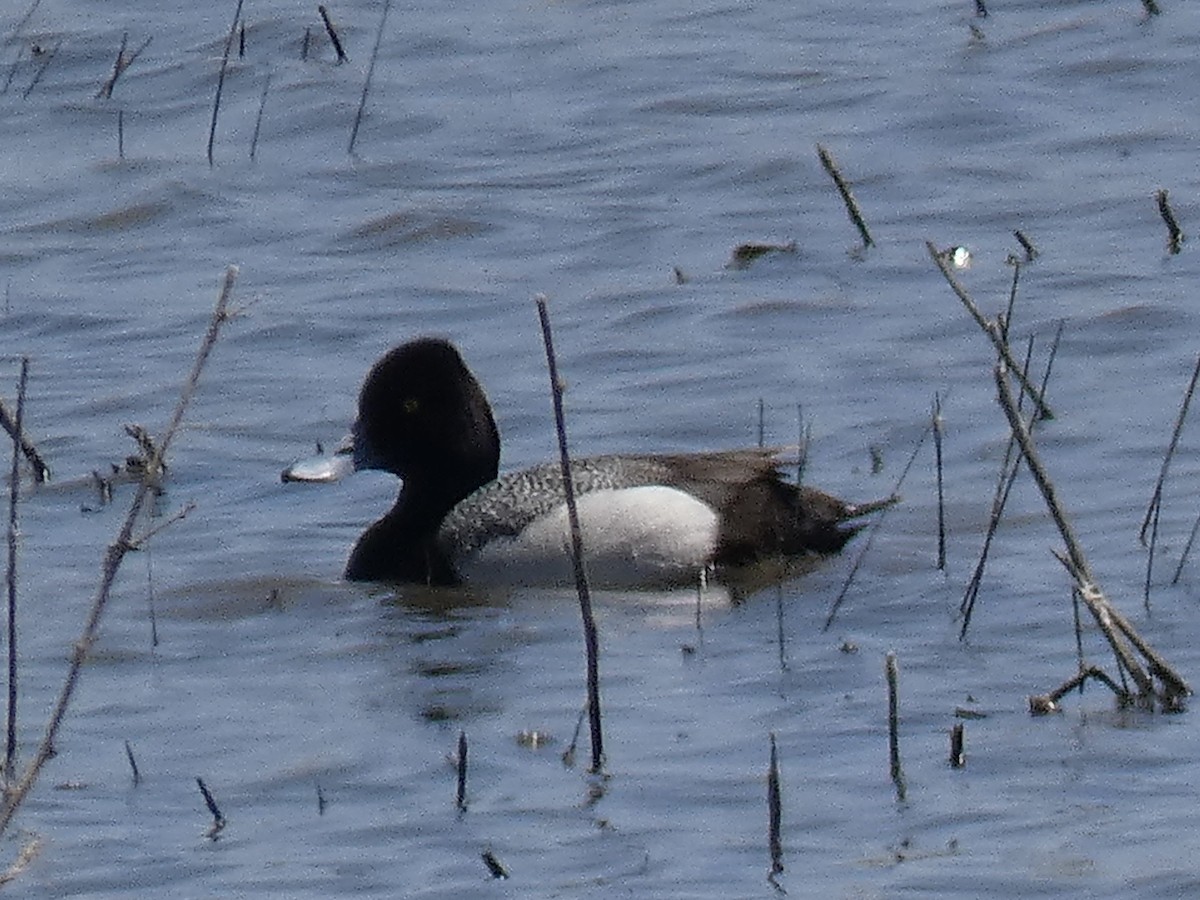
{"points": [[504, 507]]}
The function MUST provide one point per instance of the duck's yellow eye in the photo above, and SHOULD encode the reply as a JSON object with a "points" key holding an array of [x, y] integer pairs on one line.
{"points": [[411, 405]]}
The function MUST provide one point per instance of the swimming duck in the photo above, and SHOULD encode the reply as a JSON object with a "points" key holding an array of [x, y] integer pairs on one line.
{"points": [[646, 519]]}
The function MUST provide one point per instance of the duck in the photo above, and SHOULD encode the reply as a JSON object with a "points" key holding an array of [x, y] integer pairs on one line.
{"points": [[646, 519]]}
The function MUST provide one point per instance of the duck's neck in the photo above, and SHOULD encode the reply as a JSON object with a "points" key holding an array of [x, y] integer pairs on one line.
{"points": [[402, 546]]}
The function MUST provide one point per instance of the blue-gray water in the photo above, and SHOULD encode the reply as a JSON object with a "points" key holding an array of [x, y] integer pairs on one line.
{"points": [[585, 150]]}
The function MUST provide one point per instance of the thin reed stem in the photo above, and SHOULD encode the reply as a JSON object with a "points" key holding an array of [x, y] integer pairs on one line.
{"points": [[1175, 236], [262, 105], [941, 489], [14, 493], [774, 812], [1156, 498], [460, 790], [218, 824], [883, 506], [333, 35], [212, 129], [362, 101], [1009, 468], [848, 200], [591, 639], [123, 62], [37, 77], [891, 670], [112, 561]]}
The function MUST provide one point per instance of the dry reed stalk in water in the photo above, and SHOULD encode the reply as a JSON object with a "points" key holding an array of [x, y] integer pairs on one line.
{"points": [[218, 824], [212, 128], [333, 35], [123, 62], [774, 812], [1031, 252], [1175, 237], [14, 493], [882, 507], [495, 867], [893, 689], [941, 486], [851, 204], [41, 472], [1006, 322], [958, 757], [1115, 627], [115, 553], [991, 329], [28, 854], [362, 101], [460, 791], [591, 639], [1155, 507], [49, 56], [262, 105], [1008, 476], [133, 766]]}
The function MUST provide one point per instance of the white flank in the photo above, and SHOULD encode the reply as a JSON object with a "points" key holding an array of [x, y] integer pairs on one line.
{"points": [[633, 536]]}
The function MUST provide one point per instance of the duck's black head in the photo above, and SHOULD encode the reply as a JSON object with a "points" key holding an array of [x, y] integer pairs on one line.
{"points": [[423, 416]]}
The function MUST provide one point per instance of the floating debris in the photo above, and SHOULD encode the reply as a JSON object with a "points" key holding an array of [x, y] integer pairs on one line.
{"points": [[745, 254]]}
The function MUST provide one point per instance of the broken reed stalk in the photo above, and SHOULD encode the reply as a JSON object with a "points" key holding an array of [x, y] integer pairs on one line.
{"points": [[851, 204], [1175, 237], [218, 824], [495, 867], [893, 688], [1041, 704], [1031, 252], [958, 757], [333, 35], [774, 812], [941, 490], [133, 766], [1115, 627], [212, 129], [14, 493], [262, 105], [460, 790], [591, 640], [113, 557], [362, 101], [120, 134], [991, 329]]}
